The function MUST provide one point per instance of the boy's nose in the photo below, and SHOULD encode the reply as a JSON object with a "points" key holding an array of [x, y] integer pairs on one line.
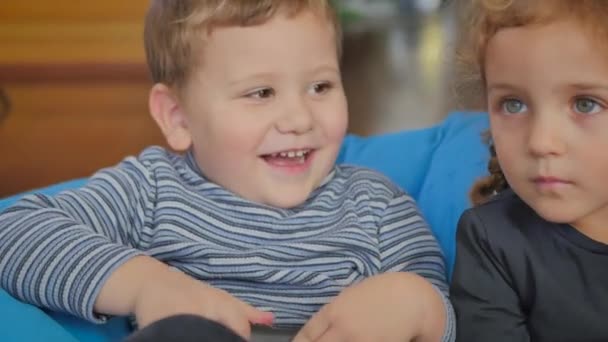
{"points": [[296, 119]]}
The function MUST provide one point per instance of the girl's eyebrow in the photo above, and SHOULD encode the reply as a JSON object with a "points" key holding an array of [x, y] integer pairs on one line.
{"points": [[500, 87], [588, 86]]}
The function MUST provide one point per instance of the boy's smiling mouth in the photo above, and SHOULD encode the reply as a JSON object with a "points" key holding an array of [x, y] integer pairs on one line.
{"points": [[297, 158]]}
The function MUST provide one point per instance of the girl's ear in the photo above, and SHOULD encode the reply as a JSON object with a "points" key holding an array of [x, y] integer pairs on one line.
{"points": [[170, 117]]}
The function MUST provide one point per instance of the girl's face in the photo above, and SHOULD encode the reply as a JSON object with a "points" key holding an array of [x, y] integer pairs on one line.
{"points": [[547, 93]]}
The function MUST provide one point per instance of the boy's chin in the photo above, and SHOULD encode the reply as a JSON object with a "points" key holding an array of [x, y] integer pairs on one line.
{"points": [[287, 199]]}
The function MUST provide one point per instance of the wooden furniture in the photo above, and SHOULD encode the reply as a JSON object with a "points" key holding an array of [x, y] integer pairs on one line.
{"points": [[75, 75], [4, 105]]}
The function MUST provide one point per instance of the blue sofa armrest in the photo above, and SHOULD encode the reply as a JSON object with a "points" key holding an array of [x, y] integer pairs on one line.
{"points": [[23, 322]]}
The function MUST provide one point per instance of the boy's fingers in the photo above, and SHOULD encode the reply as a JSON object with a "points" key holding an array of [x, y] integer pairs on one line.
{"points": [[261, 318], [256, 316], [314, 328]]}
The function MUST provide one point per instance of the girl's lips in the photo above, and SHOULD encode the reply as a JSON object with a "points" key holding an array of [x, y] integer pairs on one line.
{"points": [[551, 183], [550, 180]]}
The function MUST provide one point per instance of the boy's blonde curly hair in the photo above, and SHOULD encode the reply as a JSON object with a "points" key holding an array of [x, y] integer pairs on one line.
{"points": [[174, 29], [481, 20]]}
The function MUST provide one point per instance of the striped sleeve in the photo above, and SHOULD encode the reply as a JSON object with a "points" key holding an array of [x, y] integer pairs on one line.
{"points": [[408, 245], [57, 252]]}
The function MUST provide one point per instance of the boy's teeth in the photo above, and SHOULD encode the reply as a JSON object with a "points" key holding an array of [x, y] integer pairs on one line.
{"points": [[290, 154]]}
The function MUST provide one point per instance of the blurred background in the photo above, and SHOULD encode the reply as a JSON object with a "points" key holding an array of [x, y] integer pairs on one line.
{"points": [[74, 85]]}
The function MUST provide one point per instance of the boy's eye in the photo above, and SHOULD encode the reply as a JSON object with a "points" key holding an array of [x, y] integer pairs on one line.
{"points": [[321, 87], [513, 106], [262, 93], [586, 105]]}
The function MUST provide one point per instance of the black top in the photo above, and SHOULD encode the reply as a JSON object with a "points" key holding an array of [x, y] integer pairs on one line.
{"points": [[520, 278]]}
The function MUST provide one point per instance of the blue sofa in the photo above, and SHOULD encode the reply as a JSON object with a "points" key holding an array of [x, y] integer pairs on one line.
{"points": [[436, 165]]}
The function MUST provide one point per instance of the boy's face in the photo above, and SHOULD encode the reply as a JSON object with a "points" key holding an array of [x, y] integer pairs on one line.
{"points": [[548, 104], [266, 111]]}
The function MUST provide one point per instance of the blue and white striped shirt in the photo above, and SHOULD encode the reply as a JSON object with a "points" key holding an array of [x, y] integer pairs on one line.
{"points": [[57, 252]]}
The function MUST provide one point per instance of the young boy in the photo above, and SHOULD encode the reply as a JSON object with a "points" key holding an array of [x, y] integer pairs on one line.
{"points": [[253, 224]]}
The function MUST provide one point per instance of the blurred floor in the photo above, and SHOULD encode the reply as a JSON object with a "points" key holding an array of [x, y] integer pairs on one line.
{"points": [[398, 71]]}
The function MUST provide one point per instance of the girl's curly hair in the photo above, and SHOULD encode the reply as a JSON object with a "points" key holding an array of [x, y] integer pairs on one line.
{"points": [[488, 186]]}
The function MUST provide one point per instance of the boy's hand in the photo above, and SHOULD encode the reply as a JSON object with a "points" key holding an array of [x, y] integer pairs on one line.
{"points": [[387, 307], [178, 293], [152, 291]]}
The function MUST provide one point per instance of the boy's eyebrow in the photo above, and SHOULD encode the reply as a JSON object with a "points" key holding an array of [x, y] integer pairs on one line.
{"points": [[270, 75], [250, 77], [325, 68]]}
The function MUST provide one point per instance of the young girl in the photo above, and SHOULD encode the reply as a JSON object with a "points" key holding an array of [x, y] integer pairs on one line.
{"points": [[532, 255]]}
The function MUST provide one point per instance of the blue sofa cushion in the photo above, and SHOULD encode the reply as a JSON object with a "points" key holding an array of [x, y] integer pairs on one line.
{"points": [[459, 161], [403, 156]]}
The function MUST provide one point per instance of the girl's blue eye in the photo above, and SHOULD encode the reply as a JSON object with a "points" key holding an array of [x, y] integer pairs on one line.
{"points": [[585, 105], [513, 106]]}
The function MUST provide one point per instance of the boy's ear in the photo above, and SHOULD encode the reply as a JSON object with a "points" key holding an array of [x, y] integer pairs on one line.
{"points": [[167, 111]]}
